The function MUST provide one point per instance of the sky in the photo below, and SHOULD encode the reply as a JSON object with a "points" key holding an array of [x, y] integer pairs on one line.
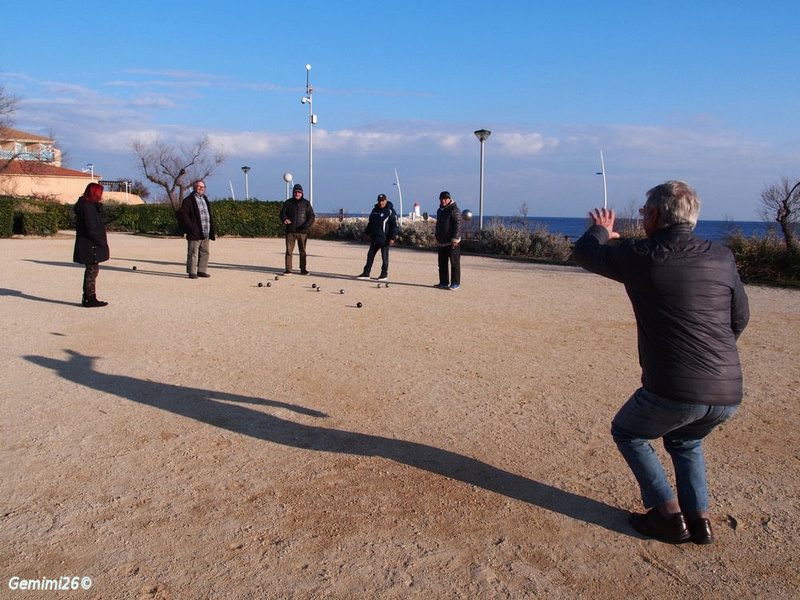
{"points": [[702, 91]]}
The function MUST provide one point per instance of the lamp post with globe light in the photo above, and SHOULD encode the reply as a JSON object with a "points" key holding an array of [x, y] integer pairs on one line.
{"points": [[482, 135], [287, 177]]}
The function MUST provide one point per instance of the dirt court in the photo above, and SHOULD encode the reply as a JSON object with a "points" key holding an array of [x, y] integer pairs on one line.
{"points": [[213, 439]]}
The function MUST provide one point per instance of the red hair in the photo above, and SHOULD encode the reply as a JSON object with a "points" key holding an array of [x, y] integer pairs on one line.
{"points": [[93, 193]]}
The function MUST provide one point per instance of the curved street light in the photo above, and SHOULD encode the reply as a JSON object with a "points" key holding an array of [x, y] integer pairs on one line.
{"points": [[603, 173]]}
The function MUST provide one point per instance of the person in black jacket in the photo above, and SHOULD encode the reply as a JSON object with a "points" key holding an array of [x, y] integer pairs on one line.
{"points": [[298, 216], [448, 238], [381, 232], [690, 307], [91, 242], [197, 220]]}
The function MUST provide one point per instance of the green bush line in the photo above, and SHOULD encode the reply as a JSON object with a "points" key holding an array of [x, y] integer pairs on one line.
{"points": [[762, 260]]}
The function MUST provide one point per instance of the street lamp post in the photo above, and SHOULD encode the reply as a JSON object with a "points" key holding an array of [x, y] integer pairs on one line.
{"points": [[400, 195], [603, 173], [482, 135], [312, 120], [287, 177], [89, 169], [246, 186]]}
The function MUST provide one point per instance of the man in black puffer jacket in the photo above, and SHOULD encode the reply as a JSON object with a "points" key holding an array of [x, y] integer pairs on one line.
{"points": [[690, 307], [298, 216]]}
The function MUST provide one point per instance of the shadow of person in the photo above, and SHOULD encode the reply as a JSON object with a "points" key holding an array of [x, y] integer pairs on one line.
{"points": [[230, 412], [24, 296]]}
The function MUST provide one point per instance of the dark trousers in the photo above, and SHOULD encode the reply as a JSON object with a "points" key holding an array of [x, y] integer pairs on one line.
{"points": [[373, 250], [451, 255], [300, 239], [89, 280]]}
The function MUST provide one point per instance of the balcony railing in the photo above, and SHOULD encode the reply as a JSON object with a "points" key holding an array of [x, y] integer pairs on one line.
{"points": [[41, 156]]}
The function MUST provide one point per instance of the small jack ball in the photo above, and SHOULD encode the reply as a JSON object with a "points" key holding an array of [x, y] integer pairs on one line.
{"points": [[341, 291], [134, 267], [260, 284], [359, 305]]}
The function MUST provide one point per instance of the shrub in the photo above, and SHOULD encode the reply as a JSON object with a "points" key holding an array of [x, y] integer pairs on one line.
{"points": [[157, 219], [351, 229], [417, 233], [325, 227], [764, 260], [38, 216], [538, 243], [6, 217], [121, 217], [248, 218]]}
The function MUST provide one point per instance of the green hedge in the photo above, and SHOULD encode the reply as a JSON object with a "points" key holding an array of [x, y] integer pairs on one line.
{"points": [[6, 217], [248, 218]]}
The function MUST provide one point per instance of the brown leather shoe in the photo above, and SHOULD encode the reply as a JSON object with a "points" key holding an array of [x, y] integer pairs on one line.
{"points": [[672, 530], [701, 531]]}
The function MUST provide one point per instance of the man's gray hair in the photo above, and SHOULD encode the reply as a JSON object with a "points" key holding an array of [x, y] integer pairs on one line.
{"points": [[677, 203]]}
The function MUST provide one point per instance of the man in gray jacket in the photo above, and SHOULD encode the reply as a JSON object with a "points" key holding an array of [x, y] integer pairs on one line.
{"points": [[690, 307]]}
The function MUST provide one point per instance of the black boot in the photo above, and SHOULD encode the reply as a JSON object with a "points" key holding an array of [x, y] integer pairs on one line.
{"points": [[92, 302]]}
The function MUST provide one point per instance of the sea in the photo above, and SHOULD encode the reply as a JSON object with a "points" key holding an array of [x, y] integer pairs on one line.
{"points": [[573, 227]]}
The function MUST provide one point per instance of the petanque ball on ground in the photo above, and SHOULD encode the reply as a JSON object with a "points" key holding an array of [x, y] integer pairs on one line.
{"points": [[134, 267], [313, 285], [260, 284], [379, 285], [276, 278], [319, 289], [359, 305], [268, 284], [387, 285], [341, 291]]}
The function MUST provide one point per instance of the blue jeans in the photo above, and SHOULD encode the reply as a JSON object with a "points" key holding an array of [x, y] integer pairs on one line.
{"points": [[682, 426]]}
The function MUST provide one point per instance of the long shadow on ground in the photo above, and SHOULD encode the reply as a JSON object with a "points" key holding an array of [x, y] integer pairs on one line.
{"points": [[229, 411]]}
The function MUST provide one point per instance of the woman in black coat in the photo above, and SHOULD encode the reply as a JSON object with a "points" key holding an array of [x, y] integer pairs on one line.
{"points": [[91, 243]]}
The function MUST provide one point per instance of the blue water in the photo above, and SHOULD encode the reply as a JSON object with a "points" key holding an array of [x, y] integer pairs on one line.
{"points": [[573, 227]]}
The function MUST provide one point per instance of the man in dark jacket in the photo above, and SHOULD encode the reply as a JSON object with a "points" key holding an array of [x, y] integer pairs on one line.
{"points": [[448, 238], [690, 307], [197, 220], [381, 232], [298, 216]]}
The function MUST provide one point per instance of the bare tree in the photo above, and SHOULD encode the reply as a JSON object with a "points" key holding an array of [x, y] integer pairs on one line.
{"points": [[175, 168], [782, 202], [8, 105]]}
